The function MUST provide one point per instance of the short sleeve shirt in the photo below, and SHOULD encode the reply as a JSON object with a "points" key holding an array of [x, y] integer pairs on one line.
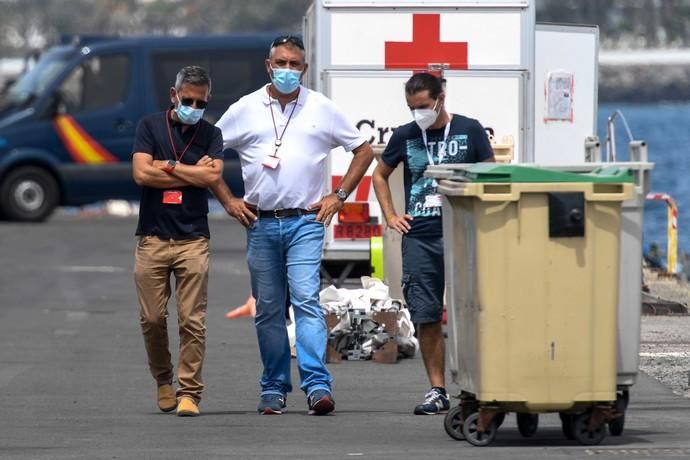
{"points": [[177, 221], [310, 126], [467, 142]]}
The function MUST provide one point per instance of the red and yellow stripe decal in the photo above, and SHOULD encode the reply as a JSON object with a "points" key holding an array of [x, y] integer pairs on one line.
{"points": [[81, 147]]}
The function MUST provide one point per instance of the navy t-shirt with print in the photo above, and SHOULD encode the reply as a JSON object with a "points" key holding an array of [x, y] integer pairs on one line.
{"points": [[467, 143]]}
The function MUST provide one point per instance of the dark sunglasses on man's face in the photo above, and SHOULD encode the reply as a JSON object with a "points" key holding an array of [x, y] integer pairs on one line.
{"points": [[288, 39], [200, 104]]}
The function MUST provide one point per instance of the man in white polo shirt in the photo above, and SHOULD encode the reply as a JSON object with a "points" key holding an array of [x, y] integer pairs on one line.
{"points": [[283, 133]]}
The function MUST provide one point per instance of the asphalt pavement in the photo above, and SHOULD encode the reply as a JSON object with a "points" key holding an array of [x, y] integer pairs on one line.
{"points": [[74, 383]]}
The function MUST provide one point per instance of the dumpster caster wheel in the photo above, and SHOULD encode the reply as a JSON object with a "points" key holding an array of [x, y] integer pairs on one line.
{"points": [[567, 425], [453, 423], [616, 425], [527, 424], [583, 434], [499, 418], [473, 436]]}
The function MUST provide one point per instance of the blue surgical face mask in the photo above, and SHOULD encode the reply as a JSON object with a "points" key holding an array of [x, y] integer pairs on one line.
{"points": [[187, 114], [286, 80]]}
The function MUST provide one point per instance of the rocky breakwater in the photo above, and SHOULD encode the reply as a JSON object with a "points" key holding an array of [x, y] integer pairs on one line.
{"points": [[644, 76]]}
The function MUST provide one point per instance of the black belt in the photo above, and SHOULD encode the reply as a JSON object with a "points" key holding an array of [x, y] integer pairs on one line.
{"points": [[281, 213]]}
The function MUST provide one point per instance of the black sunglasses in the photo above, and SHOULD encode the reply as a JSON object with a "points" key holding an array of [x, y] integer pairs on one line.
{"points": [[288, 39], [200, 104]]}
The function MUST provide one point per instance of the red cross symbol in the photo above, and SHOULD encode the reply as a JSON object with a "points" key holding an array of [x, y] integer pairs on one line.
{"points": [[426, 47]]}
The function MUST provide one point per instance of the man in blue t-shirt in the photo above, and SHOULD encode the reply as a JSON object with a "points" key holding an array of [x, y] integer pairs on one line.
{"points": [[434, 137]]}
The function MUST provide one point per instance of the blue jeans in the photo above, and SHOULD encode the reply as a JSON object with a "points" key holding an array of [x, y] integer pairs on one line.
{"points": [[281, 253]]}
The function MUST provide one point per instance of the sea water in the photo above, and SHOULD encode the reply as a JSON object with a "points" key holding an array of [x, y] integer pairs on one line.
{"points": [[666, 129]]}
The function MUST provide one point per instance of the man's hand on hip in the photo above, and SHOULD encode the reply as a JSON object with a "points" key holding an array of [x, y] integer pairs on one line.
{"points": [[237, 208], [400, 223], [328, 206]]}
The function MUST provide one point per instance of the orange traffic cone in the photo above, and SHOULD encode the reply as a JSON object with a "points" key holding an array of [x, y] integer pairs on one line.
{"points": [[248, 309]]}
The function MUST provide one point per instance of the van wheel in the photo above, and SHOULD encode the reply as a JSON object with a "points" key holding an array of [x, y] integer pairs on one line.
{"points": [[28, 194]]}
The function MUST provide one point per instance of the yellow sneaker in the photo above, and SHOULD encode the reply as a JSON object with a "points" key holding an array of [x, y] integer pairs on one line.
{"points": [[166, 398], [186, 407]]}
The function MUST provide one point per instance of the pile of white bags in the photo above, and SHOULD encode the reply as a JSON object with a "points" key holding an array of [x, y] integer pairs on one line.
{"points": [[357, 335]]}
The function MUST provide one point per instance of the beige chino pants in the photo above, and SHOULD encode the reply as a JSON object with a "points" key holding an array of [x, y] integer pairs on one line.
{"points": [[155, 260]]}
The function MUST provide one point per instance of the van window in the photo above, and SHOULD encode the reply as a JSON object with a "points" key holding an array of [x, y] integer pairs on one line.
{"points": [[234, 73], [97, 83], [33, 83]]}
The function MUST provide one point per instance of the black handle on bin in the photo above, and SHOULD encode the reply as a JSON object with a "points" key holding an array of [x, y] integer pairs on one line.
{"points": [[567, 214], [575, 215]]}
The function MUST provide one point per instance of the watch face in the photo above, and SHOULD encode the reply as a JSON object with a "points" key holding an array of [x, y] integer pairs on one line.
{"points": [[340, 193]]}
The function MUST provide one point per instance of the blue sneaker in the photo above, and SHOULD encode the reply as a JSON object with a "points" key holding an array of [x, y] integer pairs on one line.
{"points": [[320, 402], [272, 404], [435, 402]]}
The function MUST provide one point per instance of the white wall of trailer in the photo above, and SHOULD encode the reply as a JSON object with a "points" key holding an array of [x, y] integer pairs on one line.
{"points": [[565, 119]]}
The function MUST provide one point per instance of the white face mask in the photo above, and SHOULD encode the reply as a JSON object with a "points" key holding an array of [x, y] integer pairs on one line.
{"points": [[425, 117]]}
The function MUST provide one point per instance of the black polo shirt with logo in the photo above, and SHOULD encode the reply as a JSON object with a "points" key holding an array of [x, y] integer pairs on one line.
{"points": [[177, 221]]}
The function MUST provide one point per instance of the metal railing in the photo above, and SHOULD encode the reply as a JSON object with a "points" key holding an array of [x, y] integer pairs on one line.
{"points": [[611, 134], [671, 228]]}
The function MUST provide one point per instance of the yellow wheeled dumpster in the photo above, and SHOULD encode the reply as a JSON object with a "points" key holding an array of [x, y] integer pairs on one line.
{"points": [[532, 261]]}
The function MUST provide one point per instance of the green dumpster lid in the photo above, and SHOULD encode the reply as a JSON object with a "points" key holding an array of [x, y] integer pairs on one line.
{"points": [[492, 172]]}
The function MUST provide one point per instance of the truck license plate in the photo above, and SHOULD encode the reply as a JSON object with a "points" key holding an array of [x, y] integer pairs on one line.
{"points": [[356, 231]]}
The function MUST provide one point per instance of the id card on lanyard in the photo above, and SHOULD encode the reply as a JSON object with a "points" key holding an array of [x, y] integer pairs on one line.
{"points": [[272, 161], [434, 200], [175, 196]]}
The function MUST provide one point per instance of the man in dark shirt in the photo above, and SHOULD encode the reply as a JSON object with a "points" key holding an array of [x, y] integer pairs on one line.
{"points": [[435, 137], [176, 156]]}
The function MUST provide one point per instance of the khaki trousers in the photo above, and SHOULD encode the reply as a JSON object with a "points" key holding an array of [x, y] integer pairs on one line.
{"points": [[155, 260]]}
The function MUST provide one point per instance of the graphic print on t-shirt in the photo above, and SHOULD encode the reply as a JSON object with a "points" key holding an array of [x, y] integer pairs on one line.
{"points": [[454, 150]]}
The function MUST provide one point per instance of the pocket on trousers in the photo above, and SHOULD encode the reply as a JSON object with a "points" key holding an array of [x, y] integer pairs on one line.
{"points": [[405, 284], [143, 241], [253, 225], [311, 218]]}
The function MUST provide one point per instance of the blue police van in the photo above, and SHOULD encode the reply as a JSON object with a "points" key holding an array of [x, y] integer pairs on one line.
{"points": [[67, 126]]}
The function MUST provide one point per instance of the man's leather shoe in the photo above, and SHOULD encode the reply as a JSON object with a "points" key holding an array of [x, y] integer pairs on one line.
{"points": [[186, 407], [166, 398]]}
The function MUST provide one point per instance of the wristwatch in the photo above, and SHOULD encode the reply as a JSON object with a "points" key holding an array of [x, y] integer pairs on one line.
{"points": [[341, 194], [170, 165]]}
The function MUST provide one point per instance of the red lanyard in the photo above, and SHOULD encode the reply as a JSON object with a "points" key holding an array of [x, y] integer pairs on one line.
{"points": [[170, 138], [279, 140]]}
